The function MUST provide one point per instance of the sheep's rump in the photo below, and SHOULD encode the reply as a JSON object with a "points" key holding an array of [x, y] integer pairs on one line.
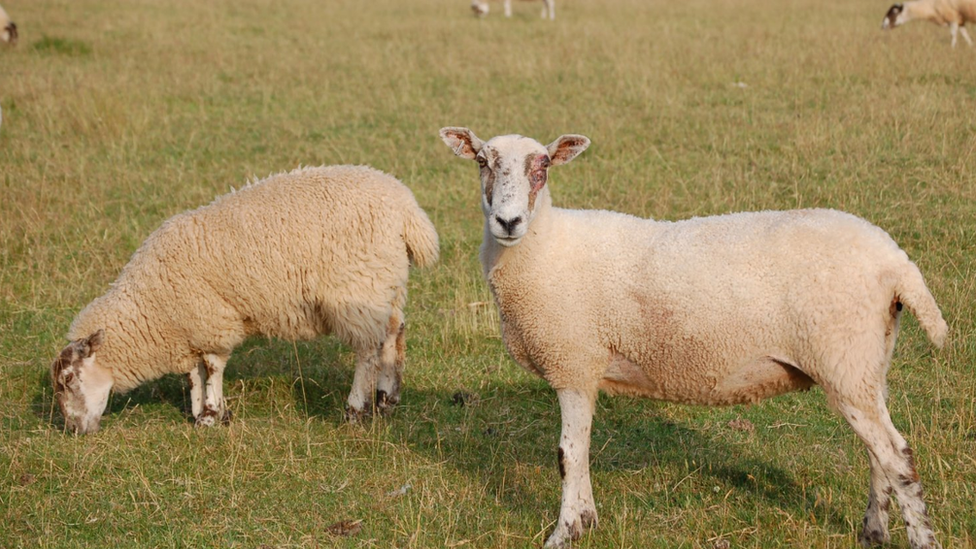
{"points": [[294, 256]]}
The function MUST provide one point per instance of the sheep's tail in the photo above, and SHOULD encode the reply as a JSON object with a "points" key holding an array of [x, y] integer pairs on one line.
{"points": [[911, 290], [420, 236]]}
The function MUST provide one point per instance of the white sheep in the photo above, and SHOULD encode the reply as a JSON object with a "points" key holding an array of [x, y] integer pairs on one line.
{"points": [[314, 251], [8, 29], [714, 311], [481, 8], [951, 13]]}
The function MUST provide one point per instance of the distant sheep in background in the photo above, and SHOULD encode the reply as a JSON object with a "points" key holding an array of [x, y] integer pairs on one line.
{"points": [[481, 8], [716, 310], [8, 33], [947, 13], [314, 251]]}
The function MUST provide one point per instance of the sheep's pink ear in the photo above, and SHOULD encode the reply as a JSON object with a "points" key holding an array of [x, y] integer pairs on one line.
{"points": [[462, 141], [566, 148], [93, 342]]}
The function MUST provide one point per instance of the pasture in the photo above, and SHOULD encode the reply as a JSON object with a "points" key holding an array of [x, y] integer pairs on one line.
{"points": [[118, 114]]}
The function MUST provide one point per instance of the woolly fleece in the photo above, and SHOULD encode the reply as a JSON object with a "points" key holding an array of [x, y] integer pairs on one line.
{"points": [[310, 252]]}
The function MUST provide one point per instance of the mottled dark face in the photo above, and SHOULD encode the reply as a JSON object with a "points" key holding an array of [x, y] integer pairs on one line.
{"points": [[10, 33], [81, 393], [514, 170], [891, 19]]}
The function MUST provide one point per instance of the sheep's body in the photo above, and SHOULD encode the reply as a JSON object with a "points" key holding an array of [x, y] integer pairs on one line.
{"points": [[314, 251], [716, 310], [946, 13], [481, 8], [8, 29]]}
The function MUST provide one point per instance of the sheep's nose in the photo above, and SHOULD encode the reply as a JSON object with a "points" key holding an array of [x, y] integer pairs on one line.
{"points": [[509, 225]]}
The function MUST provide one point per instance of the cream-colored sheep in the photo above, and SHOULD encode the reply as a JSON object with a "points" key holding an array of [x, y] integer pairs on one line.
{"points": [[481, 8], [8, 29], [714, 311], [947, 13], [314, 251]]}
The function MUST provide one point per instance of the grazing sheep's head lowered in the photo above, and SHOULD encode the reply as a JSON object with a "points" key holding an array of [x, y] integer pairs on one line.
{"points": [[479, 7], [894, 17], [8, 29], [514, 170], [81, 386]]}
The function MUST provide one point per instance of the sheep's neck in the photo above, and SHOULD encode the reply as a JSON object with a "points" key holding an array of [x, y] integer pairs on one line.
{"points": [[919, 10]]}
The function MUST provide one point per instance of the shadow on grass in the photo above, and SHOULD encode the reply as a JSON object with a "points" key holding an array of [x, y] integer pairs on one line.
{"points": [[512, 429], [501, 436]]}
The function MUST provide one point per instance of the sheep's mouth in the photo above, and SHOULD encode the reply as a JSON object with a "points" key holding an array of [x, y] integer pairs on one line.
{"points": [[508, 241]]}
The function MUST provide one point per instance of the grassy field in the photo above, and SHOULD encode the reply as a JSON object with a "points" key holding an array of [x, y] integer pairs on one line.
{"points": [[120, 113]]}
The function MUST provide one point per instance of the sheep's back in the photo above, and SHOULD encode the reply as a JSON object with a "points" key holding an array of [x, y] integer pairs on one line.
{"points": [[273, 257]]}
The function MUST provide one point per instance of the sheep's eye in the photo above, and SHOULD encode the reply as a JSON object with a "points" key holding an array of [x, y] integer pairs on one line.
{"points": [[482, 162]]}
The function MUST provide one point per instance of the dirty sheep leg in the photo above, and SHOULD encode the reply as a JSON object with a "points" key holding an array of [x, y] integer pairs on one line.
{"points": [[577, 512], [892, 470], [364, 328], [196, 379], [392, 359], [213, 409]]}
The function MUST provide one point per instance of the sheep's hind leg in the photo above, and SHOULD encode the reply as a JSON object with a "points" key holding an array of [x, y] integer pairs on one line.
{"points": [[892, 470], [392, 360], [874, 528], [214, 408], [577, 511], [965, 34], [360, 402]]}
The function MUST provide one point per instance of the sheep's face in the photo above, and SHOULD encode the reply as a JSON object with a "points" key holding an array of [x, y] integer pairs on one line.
{"points": [[479, 7], [9, 32], [514, 170], [895, 16], [81, 386]]}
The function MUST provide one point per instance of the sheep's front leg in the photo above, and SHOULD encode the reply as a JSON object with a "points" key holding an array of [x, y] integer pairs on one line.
{"points": [[577, 510], [197, 378], [953, 29], [214, 408], [508, 8]]}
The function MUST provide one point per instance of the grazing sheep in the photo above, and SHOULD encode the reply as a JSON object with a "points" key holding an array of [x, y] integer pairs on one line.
{"points": [[481, 8], [314, 251], [8, 29], [715, 310], [947, 13]]}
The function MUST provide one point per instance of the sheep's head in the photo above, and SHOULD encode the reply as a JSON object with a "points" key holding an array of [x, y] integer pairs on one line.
{"points": [[81, 386], [514, 170], [8, 29], [479, 7], [895, 16]]}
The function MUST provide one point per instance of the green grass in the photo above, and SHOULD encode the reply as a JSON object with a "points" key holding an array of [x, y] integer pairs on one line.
{"points": [[118, 114]]}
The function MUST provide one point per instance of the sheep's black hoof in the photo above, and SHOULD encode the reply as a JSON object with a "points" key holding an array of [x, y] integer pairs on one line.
{"points": [[873, 538], [588, 518], [355, 416], [385, 402]]}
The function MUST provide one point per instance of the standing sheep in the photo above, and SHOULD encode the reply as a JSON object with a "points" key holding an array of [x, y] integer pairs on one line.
{"points": [[481, 8], [714, 311], [314, 251], [8, 29], [946, 13]]}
